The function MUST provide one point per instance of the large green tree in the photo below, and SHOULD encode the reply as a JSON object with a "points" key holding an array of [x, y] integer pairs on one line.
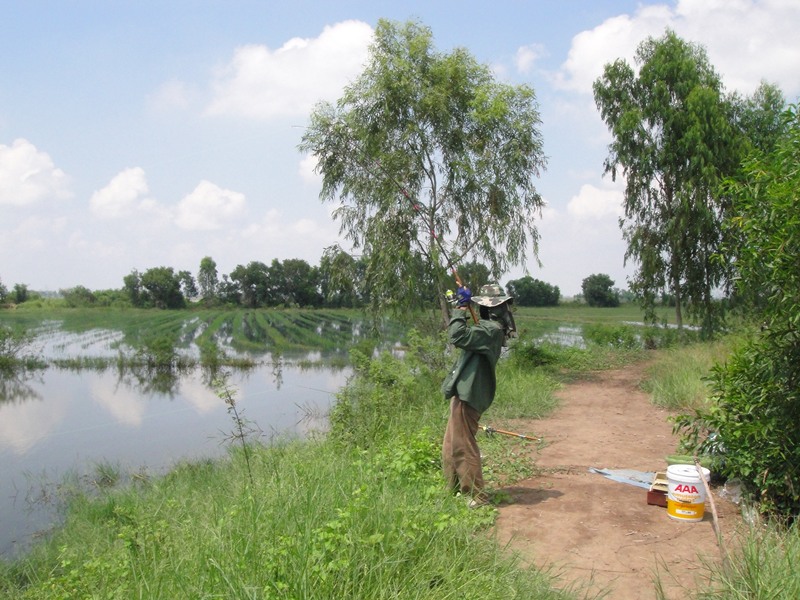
{"points": [[755, 413], [673, 141], [340, 278], [163, 287], [598, 290], [294, 282], [158, 287], [253, 283], [207, 279], [432, 160], [475, 274], [528, 291]]}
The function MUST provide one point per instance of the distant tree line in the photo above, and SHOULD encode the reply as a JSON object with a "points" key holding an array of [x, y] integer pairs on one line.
{"points": [[338, 282], [335, 283], [17, 295]]}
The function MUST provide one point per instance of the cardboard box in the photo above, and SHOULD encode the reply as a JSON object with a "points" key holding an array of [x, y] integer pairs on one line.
{"points": [[657, 494]]}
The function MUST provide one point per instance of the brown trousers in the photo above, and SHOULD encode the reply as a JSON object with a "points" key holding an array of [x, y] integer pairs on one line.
{"points": [[461, 457]]}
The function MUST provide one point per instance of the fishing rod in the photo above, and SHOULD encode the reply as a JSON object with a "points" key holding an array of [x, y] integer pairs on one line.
{"points": [[416, 207], [491, 430]]}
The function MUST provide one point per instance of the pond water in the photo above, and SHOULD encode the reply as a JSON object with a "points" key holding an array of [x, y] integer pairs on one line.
{"points": [[63, 423]]}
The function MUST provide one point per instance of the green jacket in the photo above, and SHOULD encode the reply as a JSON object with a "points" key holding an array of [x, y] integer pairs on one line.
{"points": [[472, 377]]}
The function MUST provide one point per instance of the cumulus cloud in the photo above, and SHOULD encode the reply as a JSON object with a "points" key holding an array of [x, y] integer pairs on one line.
{"points": [[527, 56], [292, 237], [747, 41], [208, 207], [28, 176], [306, 169], [126, 192], [592, 202], [261, 83]]}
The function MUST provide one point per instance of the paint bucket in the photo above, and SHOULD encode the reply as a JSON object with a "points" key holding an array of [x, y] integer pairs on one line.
{"points": [[686, 494]]}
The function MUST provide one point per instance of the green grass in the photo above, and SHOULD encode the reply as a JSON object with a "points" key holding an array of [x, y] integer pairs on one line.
{"points": [[762, 564], [677, 378], [361, 513], [317, 523], [582, 313]]}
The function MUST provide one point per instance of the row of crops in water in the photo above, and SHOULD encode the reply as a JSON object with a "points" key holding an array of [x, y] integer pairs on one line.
{"points": [[60, 336]]}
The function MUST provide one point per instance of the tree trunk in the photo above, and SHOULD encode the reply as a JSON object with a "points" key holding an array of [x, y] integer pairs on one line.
{"points": [[445, 310], [678, 301]]}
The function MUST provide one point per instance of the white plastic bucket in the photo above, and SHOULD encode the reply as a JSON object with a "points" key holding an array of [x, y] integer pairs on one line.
{"points": [[686, 495]]}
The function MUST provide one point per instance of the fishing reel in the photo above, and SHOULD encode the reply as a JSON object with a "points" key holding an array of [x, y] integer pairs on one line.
{"points": [[461, 297]]}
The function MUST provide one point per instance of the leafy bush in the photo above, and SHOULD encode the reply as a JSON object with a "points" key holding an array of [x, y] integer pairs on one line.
{"points": [[14, 343], [757, 401], [615, 336], [598, 290], [753, 420]]}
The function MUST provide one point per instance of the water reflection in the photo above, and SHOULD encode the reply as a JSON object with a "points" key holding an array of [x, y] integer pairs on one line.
{"points": [[67, 422], [16, 386]]}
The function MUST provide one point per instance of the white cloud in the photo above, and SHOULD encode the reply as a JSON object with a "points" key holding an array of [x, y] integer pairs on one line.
{"points": [[125, 193], [306, 169], [28, 176], [32, 234], [596, 203], [615, 38], [208, 207], [170, 95], [746, 41], [527, 56], [301, 238], [261, 83]]}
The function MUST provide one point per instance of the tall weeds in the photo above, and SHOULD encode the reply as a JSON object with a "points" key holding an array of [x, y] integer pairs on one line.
{"points": [[678, 377], [243, 429]]}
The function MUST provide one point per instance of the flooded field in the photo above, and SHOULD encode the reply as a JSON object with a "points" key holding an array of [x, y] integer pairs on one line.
{"points": [[98, 409], [73, 422]]}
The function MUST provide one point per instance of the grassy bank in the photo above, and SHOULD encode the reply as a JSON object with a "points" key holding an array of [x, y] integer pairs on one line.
{"points": [[316, 523], [360, 513]]}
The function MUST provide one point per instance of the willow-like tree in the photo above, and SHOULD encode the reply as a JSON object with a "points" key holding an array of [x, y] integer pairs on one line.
{"points": [[673, 141], [431, 160]]}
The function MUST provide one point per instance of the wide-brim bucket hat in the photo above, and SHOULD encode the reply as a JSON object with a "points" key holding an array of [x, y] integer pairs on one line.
{"points": [[491, 295]]}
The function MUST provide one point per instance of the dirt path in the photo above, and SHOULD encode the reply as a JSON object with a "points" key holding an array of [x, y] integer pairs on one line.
{"points": [[597, 533]]}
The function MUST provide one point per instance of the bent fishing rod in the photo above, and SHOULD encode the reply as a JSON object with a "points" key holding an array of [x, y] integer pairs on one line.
{"points": [[416, 207]]}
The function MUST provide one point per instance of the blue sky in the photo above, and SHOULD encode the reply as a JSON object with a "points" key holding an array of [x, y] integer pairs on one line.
{"points": [[136, 134]]}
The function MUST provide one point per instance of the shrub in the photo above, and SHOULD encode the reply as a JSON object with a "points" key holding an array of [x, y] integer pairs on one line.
{"points": [[757, 402], [753, 420]]}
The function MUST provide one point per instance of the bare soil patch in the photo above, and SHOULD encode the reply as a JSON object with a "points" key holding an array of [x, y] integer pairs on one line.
{"points": [[600, 535]]}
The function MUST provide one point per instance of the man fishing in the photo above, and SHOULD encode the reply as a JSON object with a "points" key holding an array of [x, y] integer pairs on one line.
{"points": [[471, 384]]}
